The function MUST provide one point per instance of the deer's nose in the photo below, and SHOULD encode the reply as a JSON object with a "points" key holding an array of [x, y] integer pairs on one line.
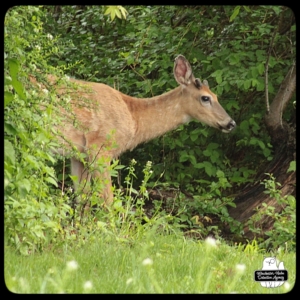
{"points": [[231, 125]]}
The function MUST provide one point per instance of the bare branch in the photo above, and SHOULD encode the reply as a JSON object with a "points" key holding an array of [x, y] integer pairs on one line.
{"points": [[266, 72], [285, 93]]}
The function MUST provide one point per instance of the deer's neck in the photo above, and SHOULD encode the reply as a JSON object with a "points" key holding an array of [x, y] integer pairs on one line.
{"points": [[157, 115]]}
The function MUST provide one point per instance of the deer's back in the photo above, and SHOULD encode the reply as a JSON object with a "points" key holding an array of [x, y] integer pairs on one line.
{"points": [[100, 114]]}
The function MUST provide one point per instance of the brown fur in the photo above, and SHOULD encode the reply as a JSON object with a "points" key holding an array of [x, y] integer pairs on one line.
{"points": [[134, 120]]}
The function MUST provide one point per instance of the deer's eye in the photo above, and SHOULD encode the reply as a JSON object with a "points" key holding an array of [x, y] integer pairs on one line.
{"points": [[205, 99]]}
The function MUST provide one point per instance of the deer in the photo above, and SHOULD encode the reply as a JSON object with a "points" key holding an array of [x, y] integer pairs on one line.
{"points": [[130, 121]]}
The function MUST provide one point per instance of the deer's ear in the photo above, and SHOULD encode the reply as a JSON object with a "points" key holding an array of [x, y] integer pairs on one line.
{"points": [[182, 70]]}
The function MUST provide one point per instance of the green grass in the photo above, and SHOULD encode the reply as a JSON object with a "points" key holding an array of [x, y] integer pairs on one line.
{"points": [[152, 264]]}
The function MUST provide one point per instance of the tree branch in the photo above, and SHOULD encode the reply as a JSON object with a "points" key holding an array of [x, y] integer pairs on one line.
{"points": [[266, 72], [285, 93]]}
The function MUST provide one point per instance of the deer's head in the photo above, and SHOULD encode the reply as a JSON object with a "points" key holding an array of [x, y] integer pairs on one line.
{"points": [[200, 102]]}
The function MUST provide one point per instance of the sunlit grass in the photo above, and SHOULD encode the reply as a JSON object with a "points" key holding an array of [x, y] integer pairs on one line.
{"points": [[154, 264]]}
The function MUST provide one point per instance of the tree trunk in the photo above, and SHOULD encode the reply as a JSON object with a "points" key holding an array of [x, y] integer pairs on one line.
{"points": [[284, 144]]}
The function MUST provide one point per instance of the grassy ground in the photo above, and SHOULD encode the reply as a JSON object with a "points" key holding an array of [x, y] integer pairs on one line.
{"points": [[152, 264]]}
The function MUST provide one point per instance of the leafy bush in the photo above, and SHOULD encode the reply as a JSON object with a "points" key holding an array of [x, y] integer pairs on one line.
{"points": [[283, 232], [135, 56]]}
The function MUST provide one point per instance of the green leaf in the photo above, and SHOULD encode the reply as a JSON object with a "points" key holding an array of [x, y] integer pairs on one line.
{"points": [[18, 86], [116, 10], [24, 249], [123, 11], [261, 68], [245, 127], [217, 73], [26, 184], [118, 13], [254, 72], [234, 59], [7, 80], [235, 13], [73, 177], [198, 166], [218, 201], [14, 69], [254, 82], [260, 85], [14, 66], [110, 10], [291, 200], [51, 180], [32, 161], [247, 9], [183, 156], [261, 144], [183, 217], [209, 168], [219, 79], [212, 146], [206, 152], [266, 152], [179, 143], [214, 156], [193, 160], [220, 174], [260, 55], [272, 61], [193, 137], [24, 187], [8, 97], [292, 166], [9, 151], [247, 84]]}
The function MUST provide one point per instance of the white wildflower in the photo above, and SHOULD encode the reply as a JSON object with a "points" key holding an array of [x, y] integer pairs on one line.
{"points": [[147, 262], [240, 267], [211, 242], [72, 265], [49, 36], [287, 286], [88, 285]]}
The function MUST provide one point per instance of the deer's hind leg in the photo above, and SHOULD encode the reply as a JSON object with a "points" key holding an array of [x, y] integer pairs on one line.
{"points": [[81, 181], [81, 173], [98, 171], [100, 155], [102, 177]]}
